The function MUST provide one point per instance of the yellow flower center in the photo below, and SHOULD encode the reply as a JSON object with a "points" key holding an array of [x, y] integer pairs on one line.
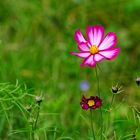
{"points": [[91, 102], [93, 49]]}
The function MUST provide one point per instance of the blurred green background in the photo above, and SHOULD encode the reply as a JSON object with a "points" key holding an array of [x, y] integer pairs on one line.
{"points": [[36, 37]]}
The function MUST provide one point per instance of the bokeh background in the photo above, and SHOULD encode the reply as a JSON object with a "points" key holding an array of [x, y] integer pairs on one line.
{"points": [[36, 37]]}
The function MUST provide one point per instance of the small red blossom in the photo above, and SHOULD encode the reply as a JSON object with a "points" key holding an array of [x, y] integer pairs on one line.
{"points": [[92, 102], [96, 47]]}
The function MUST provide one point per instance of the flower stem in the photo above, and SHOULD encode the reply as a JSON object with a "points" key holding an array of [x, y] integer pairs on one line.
{"points": [[34, 124], [101, 114], [94, 138], [38, 110], [109, 111], [112, 101], [32, 134], [98, 86]]}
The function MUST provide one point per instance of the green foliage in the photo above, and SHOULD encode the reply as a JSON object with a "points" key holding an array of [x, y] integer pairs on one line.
{"points": [[36, 37]]}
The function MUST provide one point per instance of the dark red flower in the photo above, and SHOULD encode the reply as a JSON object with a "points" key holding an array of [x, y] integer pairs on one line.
{"points": [[92, 102]]}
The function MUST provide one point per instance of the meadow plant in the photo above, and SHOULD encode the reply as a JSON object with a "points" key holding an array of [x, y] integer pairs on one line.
{"points": [[35, 41], [95, 49], [12, 99], [27, 120]]}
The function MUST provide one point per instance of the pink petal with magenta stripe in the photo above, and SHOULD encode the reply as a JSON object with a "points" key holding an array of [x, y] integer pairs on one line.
{"points": [[95, 34], [81, 54], [83, 46], [110, 54], [98, 57], [109, 41], [89, 61], [79, 37]]}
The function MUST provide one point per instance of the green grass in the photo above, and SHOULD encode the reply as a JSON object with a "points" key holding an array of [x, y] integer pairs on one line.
{"points": [[35, 40]]}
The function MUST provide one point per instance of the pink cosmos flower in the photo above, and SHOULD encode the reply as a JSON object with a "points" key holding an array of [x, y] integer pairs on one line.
{"points": [[96, 47]]}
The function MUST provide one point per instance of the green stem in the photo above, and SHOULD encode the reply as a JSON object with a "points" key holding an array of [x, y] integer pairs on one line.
{"points": [[101, 114], [109, 111], [38, 110], [98, 86], [34, 125], [112, 101], [94, 138], [32, 134], [101, 122]]}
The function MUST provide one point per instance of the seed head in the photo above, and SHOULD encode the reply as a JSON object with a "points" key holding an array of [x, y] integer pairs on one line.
{"points": [[116, 89], [38, 99], [138, 81], [28, 108]]}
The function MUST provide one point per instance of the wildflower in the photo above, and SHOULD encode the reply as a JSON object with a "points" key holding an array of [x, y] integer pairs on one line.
{"points": [[116, 89], [138, 81], [93, 102], [96, 47], [84, 85]]}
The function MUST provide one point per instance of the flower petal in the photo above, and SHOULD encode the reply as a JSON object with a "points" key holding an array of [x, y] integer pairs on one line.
{"points": [[98, 102], [98, 57], [84, 99], [89, 61], [83, 46], [109, 41], [81, 54], [84, 106], [95, 34], [79, 37], [110, 54]]}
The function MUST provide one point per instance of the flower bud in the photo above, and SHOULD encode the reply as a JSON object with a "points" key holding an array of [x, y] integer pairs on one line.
{"points": [[28, 108], [138, 81], [115, 89], [38, 99]]}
